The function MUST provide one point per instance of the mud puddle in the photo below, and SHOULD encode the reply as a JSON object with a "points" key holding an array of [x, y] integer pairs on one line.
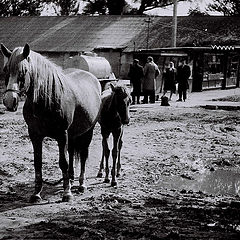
{"points": [[218, 182]]}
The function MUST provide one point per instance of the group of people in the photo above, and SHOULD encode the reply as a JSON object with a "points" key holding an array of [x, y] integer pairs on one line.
{"points": [[144, 79], [180, 76]]}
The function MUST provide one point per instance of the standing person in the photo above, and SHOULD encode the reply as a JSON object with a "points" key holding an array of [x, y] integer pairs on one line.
{"points": [[136, 74], [169, 77], [151, 71], [183, 74]]}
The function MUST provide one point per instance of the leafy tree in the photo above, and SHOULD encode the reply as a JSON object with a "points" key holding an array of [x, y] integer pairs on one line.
{"points": [[196, 12], [227, 7], [64, 7], [112, 7], [121, 6], [115, 7], [96, 7], [20, 7]]}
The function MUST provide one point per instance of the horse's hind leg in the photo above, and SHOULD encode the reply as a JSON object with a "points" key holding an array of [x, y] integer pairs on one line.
{"points": [[37, 148], [71, 159], [115, 152], [62, 144], [119, 155], [83, 143]]}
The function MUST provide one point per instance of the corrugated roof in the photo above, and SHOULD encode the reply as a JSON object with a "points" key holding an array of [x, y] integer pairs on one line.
{"points": [[84, 33]]}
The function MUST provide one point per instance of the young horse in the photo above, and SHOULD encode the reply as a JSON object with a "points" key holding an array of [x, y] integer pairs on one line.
{"points": [[61, 106], [114, 114]]}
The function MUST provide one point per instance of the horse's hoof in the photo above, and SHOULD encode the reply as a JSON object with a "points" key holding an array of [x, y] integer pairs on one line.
{"points": [[99, 175], [106, 180], [82, 189], [113, 184], [67, 198], [35, 199]]}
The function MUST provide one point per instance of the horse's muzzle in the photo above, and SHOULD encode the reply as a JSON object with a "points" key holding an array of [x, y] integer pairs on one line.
{"points": [[10, 101]]}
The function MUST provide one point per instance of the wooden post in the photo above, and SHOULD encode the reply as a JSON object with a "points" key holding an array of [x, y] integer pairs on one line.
{"points": [[225, 62], [238, 73]]}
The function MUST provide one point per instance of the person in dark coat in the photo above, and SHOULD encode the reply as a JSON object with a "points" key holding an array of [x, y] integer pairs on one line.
{"points": [[169, 77], [135, 74], [183, 74]]}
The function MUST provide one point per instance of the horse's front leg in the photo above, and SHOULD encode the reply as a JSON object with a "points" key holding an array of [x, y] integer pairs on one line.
{"points": [[37, 148], [115, 151], [63, 164]]}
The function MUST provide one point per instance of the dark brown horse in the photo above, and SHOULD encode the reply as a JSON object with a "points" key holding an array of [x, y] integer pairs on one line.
{"points": [[114, 114], [58, 105]]}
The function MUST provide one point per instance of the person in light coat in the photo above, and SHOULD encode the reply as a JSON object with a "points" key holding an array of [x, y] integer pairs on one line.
{"points": [[151, 71]]}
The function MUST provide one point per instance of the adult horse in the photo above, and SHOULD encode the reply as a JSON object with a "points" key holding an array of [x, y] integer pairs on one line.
{"points": [[114, 114], [58, 105]]}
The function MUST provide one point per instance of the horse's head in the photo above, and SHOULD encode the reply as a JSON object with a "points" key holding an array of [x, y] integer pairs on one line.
{"points": [[16, 68], [122, 100]]}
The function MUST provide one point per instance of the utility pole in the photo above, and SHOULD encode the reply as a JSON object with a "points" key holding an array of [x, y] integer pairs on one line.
{"points": [[174, 23], [148, 29]]}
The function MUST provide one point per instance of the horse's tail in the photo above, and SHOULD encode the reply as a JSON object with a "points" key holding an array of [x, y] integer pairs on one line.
{"points": [[81, 145]]}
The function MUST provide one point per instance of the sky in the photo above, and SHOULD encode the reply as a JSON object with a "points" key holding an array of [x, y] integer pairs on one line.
{"points": [[182, 8]]}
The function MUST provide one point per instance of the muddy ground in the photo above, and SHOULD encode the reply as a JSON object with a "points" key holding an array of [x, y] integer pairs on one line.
{"points": [[180, 180]]}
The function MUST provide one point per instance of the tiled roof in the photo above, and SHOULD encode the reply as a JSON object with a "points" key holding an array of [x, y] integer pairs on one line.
{"points": [[84, 33]]}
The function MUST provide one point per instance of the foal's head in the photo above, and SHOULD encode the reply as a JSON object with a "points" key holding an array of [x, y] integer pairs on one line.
{"points": [[122, 101]]}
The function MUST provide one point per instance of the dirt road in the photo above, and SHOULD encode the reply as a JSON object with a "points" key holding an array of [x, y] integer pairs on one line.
{"points": [[180, 180]]}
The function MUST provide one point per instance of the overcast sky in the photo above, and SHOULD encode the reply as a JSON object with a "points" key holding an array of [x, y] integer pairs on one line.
{"points": [[183, 8]]}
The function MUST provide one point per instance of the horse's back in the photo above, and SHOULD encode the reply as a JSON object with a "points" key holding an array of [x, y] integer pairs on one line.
{"points": [[87, 94], [83, 79]]}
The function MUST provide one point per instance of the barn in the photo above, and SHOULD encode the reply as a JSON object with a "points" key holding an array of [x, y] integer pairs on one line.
{"points": [[117, 38]]}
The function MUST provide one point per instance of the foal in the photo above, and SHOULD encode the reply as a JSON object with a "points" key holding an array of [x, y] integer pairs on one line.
{"points": [[113, 115]]}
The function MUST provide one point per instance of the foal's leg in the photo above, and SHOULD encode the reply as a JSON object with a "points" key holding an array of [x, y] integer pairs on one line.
{"points": [[119, 154], [37, 148], [62, 144], [100, 174], [106, 153], [115, 151]]}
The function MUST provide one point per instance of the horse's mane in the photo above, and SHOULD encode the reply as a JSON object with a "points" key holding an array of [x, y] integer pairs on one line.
{"points": [[47, 78]]}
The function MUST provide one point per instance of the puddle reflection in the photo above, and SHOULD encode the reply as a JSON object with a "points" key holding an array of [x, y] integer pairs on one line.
{"points": [[219, 182]]}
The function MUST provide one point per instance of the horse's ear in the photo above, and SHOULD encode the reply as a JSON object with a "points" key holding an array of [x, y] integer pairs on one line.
{"points": [[112, 86], [6, 52], [26, 51]]}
